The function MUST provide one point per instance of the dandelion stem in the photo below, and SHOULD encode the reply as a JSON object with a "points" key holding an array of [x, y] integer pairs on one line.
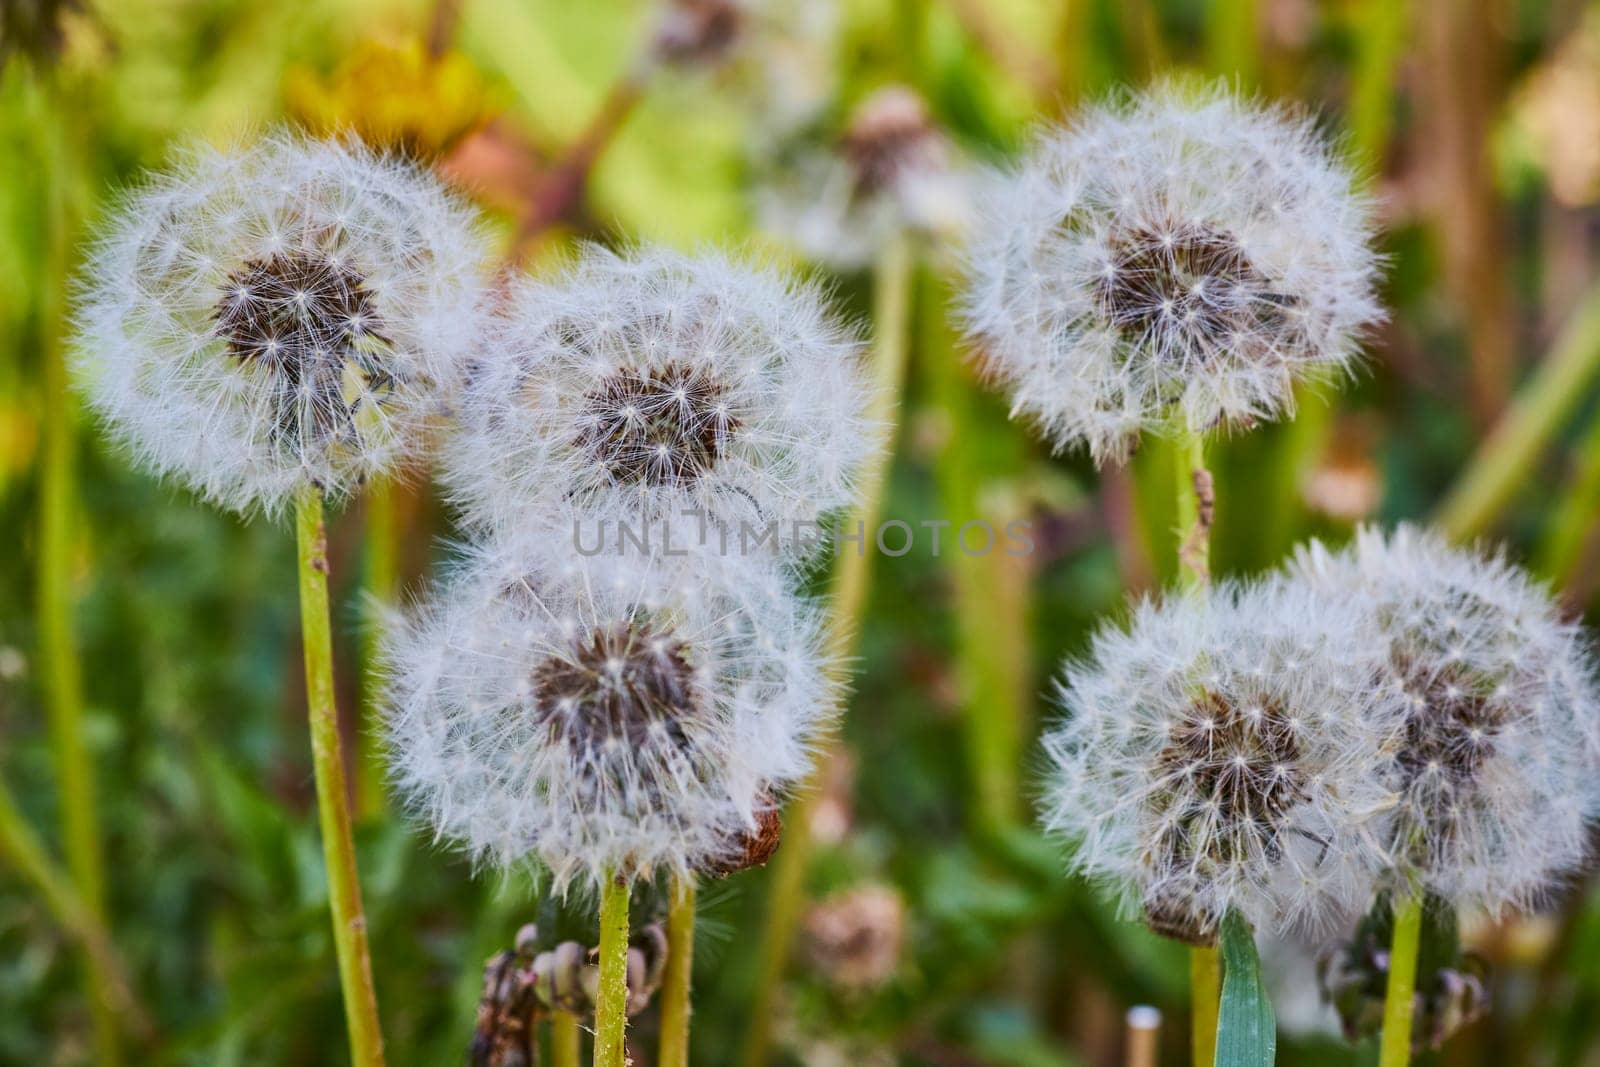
{"points": [[1399, 998], [1503, 462], [21, 849], [675, 987], [382, 583], [58, 646], [891, 300], [611, 999], [1195, 503], [1205, 996], [564, 1039], [333, 800]]}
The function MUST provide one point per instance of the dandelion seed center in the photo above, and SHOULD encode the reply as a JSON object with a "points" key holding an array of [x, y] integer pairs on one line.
{"points": [[624, 696], [1449, 734], [309, 322], [661, 425], [1191, 291], [1232, 772]]}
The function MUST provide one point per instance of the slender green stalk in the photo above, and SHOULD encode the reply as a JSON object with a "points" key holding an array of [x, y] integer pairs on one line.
{"points": [[1205, 997], [611, 999], [58, 646], [1504, 461], [564, 1039], [1399, 998], [21, 849], [1380, 28], [382, 581], [676, 983], [1195, 503], [333, 798], [990, 590], [1562, 547], [851, 578]]}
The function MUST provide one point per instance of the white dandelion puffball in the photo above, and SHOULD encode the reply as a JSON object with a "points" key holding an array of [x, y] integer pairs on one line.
{"points": [[284, 313], [892, 172], [606, 714], [1178, 257], [1214, 758], [667, 382], [1496, 761]]}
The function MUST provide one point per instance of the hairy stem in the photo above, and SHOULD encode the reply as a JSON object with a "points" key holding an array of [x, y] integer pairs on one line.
{"points": [[21, 849], [611, 999], [852, 572], [1399, 998], [382, 584], [676, 984], [564, 1039], [1196, 502], [333, 798]]}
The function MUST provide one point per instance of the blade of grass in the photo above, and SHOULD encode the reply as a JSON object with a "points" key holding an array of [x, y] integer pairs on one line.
{"points": [[21, 849], [1504, 461], [58, 645], [1247, 1032]]}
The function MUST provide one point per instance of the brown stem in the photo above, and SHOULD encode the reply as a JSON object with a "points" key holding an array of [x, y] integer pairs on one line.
{"points": [[560, 193]]}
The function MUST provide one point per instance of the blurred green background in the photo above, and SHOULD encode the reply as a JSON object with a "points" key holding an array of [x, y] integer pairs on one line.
{"points": [[938, 927]]}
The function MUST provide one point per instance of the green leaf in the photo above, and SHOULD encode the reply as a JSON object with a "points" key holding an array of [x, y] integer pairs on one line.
{"points": [[1247, 1033]]}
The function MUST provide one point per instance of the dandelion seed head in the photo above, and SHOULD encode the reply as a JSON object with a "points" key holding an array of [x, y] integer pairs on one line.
{"points": [[1174, 256], [289, 312], [1493, 756], [1198, 783], [669, 381], [891, 171], [613, 713]]}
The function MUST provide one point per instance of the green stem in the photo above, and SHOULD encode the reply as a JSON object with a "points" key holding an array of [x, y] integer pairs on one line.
{"points": [[1399, 998], [58, 646], [333, 798], [851, 577], [1196, 501], [21, 848], [676, 984], [382, 585], [564, 1039], [1380, 35], [990, 589], [1205, 996], [611, 999], [1562, 547], [1504, 461]]}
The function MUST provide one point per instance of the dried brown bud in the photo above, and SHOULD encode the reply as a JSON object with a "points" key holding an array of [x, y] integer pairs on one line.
{"points": [[754, 847]]}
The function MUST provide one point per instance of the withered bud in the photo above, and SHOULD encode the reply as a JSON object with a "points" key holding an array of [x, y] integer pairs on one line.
{"points": [[754, 847]]}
